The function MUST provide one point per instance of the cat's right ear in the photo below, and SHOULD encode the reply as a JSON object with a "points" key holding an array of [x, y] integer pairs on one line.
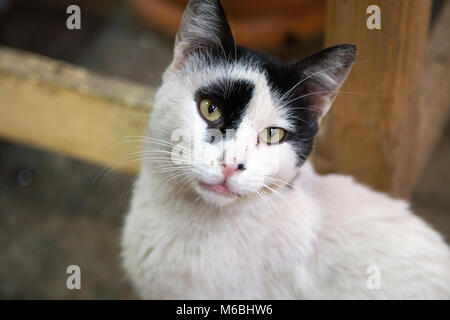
{"points": [[204, 30], [323, 75]]}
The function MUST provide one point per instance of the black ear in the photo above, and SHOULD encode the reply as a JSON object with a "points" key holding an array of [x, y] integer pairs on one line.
{"points": [[204, 28], [324, 73]]}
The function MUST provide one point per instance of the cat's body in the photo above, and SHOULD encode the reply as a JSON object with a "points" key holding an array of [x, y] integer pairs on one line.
{"points": [[310, 249], [247, 217]]}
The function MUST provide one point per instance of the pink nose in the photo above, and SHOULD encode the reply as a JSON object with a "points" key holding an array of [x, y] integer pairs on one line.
{"points": [[229, 170]]}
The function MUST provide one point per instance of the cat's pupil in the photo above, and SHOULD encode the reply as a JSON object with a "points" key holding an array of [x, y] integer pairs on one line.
{"points": [[272, 132], [211, 108]]}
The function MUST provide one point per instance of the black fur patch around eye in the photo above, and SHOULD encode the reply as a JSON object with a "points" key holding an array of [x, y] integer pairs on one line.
{"points": [[282, 77], [232, 96], [314, 80]]}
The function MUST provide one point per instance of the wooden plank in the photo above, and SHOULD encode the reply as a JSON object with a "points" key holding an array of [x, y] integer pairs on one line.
{"points": [[373, 135], [60, 107]]}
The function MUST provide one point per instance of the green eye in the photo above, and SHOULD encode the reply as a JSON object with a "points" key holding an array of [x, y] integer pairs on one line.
{"points": [[272, 135], [209, 110]]}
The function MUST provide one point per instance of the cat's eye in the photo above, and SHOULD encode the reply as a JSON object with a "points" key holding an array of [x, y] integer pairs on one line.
{"points": [[210, 110], [272, 135]]}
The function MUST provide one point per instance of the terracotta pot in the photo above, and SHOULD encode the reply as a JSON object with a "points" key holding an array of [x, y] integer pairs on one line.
{"points": [[255, 23]]}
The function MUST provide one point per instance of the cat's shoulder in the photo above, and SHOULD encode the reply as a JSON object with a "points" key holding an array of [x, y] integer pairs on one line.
{"points": [[346, 203], [363, 227], [343, 195]]}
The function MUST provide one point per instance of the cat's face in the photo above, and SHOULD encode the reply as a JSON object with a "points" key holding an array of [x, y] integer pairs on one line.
{"points": [[244, 121]]}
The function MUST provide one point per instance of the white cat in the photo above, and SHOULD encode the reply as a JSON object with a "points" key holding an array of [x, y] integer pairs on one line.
{"points": [[240, 214]]}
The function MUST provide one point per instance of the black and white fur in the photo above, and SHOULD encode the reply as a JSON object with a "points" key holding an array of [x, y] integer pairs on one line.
{"points": [[285, 232]]}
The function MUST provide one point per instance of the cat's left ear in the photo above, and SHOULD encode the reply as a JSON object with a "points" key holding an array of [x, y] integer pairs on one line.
{"points": [[204, 29], [323, 74]]}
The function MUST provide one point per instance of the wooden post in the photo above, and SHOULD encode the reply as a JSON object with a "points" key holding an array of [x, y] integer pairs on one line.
{"points": [[435, 100], [373, 133]]}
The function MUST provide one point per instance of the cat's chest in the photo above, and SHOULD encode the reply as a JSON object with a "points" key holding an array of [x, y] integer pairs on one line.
{"points": [[212, 243], [214, 258]]}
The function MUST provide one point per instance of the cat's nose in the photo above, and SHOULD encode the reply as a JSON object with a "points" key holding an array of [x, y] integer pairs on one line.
{"points": [[230, 169]]}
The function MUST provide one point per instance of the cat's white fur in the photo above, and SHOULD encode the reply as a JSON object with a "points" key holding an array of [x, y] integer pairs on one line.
{"points": [[318, 239]]}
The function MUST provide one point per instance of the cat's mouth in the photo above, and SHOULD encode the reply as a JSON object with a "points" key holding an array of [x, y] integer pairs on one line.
{"points": [[220, 189]]}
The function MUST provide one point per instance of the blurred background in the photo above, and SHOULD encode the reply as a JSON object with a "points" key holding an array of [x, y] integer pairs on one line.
{"points": [[53, 212]]}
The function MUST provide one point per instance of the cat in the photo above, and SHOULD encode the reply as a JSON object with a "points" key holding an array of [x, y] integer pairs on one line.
{"points": [[227, 206]]}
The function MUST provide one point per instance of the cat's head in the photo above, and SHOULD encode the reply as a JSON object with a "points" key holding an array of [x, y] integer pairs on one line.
{"points": [[246, 121]]}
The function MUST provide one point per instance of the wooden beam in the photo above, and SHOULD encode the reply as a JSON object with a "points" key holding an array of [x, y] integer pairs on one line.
{"points": [[374, 133], [61, 107]]}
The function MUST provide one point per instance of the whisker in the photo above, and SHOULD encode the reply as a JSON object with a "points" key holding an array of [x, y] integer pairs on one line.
{"points": [[318, 72], [317, 92]]}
